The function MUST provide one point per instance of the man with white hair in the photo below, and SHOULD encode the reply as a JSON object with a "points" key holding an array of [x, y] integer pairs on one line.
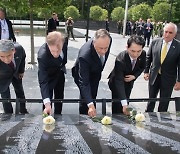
{"points": [[163, 67], [12, 66]]}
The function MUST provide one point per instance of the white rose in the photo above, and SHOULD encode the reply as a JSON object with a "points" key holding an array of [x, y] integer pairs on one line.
{"points": [[139, 117], [106, 120], [49, 120], [48, 128]]}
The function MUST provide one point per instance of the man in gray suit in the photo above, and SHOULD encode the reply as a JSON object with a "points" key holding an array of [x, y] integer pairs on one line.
{"points": [[163, 67], [12, 64]]}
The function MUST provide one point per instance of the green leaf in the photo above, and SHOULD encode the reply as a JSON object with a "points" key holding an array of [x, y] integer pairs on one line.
{"points": [[45, 115], [97, 119]]}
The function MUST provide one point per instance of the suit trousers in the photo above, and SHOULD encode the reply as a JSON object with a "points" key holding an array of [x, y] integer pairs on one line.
{"points": [[116, 105], [58, 92], [147, 37], [19, 91], [165, 92]]}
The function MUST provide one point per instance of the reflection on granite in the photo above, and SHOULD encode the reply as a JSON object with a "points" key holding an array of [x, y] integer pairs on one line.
{"points": [[160, 133]]}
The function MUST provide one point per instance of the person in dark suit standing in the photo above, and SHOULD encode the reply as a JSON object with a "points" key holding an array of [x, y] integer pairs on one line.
{"points": [[12, 66], [52, 57], [128, 67], [163, 67], [6, 30], [53, 23], [88, 67], [148, 28]]}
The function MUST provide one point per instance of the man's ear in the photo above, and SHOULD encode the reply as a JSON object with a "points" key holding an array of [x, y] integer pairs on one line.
{"points": [[14, 51]]}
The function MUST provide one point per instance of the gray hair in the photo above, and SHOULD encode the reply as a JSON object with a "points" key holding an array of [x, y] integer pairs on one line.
{"points": [[6, 45], [171, 24], [54, 37], [101, 33]]}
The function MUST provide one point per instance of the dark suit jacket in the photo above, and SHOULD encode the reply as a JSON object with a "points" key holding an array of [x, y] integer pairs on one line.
{"points": [[122, 68], [11, 32], [87, 71], [170, 68], [146, 31], [52, 24], [49, 68], [7, 74]]}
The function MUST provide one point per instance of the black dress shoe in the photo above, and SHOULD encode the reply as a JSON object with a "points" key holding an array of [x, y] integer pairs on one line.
{"points": [[24, 111]]}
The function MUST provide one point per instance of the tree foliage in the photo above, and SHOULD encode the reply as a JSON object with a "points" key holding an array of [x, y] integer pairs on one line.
{"points": [[96, 12], [160, 11], [117, 14], [104, 15], [141, 11], [71, 11]]}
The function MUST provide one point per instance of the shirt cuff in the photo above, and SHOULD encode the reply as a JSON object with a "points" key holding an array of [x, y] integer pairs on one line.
{"points": [[124, 102], [46, 100], [90, 104]]}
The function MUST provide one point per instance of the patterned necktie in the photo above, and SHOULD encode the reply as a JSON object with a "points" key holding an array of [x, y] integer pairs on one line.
{"points": [[133, 63], [102, 60], [163, 52], [11, 64]]}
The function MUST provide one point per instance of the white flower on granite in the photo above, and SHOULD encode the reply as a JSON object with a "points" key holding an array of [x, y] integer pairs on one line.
{"points": [[48, 128], [140, 117], [106, 120], [49, 120]]}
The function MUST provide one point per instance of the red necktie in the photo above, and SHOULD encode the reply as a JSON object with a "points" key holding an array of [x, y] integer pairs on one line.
{"points": [[11, 64]]}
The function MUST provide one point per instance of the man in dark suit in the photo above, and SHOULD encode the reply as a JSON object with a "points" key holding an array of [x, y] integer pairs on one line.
{"points": [[52, 57], [6, 30], [53, 23], [148, 28], [163, 67], [129, 65], [12, 65], [88, 67]]}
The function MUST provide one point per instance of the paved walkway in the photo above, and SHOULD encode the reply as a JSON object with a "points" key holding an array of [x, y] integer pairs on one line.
{"points": [[31, 86]]}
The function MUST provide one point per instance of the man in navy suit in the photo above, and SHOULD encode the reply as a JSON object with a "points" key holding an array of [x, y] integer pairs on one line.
{"points": [[88, 67], [6, 30], [53, 23], [148, 28], [12, 66], [52, 57], [163, 71], [128, 67]]}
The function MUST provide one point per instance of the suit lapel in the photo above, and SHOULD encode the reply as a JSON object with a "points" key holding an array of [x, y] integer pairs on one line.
{"points": [[171, 49], [159, 45]]}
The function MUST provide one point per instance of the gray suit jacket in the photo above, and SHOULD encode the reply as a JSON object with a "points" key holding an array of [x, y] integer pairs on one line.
{"points": [[170, 68], [6, 73]]}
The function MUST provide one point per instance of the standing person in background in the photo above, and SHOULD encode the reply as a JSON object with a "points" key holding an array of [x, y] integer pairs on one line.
{"points": [[119, 26], [52, 57], [163, 67], [53, 23], [107, 24], [148, 28], [69, 24], [6, 30], [88, 67], [128, 67], [140, 27], [12, 66]]}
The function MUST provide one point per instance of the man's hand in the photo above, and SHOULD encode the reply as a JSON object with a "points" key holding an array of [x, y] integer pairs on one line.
{"points": [[146, 76], [177, 86], [92, 111], [21, 75], [129, 78], [47, 109], [125, 110]]}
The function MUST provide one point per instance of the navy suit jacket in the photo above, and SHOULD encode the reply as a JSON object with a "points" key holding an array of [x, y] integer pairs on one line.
{"points": [[11, 32], [146, 31], [52, 24], [170, 68], [6, 72], [87, 71], [122, 68], [49, 68]]}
